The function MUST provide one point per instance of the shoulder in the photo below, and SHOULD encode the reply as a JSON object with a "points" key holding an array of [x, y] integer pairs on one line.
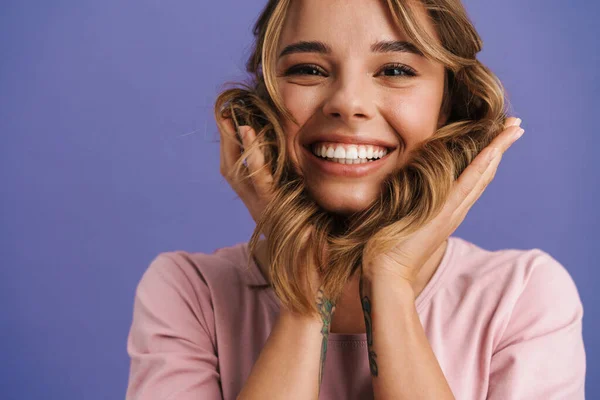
{"points": [[528, 310], [526, 289], [511, 271], [174, 326], [179, 284], [195, 281], [197, 270]]}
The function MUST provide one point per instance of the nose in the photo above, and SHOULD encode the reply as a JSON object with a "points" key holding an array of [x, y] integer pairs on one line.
{"points": [[349, 99]]}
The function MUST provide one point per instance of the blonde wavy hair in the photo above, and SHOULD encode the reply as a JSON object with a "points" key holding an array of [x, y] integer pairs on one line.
{"points": [[302, 235]]}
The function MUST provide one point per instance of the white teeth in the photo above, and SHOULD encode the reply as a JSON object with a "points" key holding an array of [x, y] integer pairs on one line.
{"points": [[340, 152], [362, 152], [353, 154]]}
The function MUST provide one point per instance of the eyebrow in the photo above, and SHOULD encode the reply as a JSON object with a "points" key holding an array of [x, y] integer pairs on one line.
{"points": [[384, 46]]}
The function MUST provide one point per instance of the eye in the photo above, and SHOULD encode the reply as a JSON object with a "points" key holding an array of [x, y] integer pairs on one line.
{"points": [[398, 70], [305, 69]]}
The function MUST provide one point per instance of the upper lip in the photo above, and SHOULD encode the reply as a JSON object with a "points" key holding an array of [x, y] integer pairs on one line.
{"points": [[356, 138]]}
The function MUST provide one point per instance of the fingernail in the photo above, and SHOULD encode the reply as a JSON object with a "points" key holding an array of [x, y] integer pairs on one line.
{"points": [[519, 133], [518, 122]]}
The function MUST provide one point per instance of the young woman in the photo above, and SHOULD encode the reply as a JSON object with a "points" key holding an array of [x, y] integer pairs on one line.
{"points": [[368, 133]]}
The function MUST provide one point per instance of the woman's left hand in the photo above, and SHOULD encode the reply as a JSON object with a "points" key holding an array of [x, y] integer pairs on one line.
{"points": [[406, 258]]}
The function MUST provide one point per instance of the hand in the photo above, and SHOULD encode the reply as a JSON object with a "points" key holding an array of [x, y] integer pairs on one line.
{"points": [[257, 191], [406, 258]]}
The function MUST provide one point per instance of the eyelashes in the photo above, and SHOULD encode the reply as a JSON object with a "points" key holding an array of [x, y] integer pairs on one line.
{"points": [[398, 70], [403, 69], [302, 69]]}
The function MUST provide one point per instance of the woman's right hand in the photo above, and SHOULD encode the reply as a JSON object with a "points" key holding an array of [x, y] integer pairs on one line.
{"points": [[257, 191]]}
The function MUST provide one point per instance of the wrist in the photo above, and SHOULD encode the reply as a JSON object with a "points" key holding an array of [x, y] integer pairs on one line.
{"points": [[380, 270], [381, 283], [296, 320]]}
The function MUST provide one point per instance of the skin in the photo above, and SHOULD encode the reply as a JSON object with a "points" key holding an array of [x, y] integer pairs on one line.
{"points": [[402, 363], [359, 92], [356, 91], [353, 96]]}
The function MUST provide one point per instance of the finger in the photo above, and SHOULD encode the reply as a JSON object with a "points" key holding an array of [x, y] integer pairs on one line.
{"points": [[512, 121], [468, 188], [495, 150], [505, 139], [230, 153], [230, 149], [259, 172], [475, 177], [479, 188]]}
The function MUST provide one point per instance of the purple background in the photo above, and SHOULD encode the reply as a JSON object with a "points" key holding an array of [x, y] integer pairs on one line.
{"points": [[109, 156]]}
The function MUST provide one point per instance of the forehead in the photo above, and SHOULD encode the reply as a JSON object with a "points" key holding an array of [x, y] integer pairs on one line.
{"points": [[344, 22]]}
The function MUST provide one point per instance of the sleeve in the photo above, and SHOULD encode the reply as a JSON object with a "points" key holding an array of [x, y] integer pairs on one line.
{"points": [[541, 353], [170, 346]]}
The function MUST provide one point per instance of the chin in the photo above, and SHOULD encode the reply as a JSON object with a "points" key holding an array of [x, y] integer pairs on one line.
{"points": [[343, 201]]}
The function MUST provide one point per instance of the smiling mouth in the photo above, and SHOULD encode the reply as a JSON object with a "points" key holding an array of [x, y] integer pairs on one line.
{"points": [[348, 154]]}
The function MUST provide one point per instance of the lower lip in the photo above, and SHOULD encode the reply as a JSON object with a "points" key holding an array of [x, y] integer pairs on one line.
{"points": [[349, 170]]}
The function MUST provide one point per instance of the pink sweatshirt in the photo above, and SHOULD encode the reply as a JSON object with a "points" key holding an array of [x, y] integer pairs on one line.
{"points": [[503, 325]]}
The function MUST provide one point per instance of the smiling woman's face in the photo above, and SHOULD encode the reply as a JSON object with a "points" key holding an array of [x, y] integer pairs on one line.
{"points": [[357, 91]]}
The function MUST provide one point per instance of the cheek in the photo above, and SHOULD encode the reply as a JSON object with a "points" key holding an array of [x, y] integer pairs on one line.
{"points": [[301, 101], [415, 113]]}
